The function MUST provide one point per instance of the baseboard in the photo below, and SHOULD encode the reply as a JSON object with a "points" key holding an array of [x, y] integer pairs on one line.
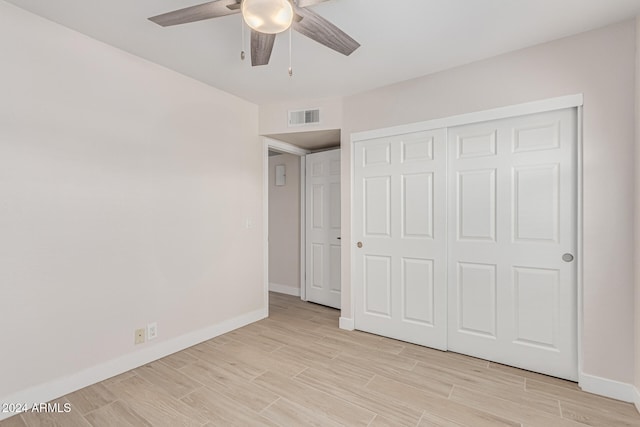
{"points": [[284, 289], [636, 399], [62, 386], [609, 388], [346, 323]]}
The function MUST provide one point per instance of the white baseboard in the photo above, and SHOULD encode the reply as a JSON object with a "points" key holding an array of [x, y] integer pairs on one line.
{"points": [[346, 324], [62, 386], [636, 401], [284, 289], [608, 388]]}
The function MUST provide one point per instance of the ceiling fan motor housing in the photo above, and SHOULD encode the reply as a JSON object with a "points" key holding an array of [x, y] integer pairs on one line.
{"points": [[267, 16]]}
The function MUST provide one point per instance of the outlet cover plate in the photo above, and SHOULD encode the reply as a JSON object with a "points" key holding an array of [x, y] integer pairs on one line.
{"points": [[152, 331], [139, 336]]}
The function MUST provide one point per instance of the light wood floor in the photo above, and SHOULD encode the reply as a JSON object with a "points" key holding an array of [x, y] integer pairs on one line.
{"points": [[297, 368]]}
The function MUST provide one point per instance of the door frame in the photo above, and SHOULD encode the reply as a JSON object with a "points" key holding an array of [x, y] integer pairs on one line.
{"points": [[545, 105], [282, 147]]}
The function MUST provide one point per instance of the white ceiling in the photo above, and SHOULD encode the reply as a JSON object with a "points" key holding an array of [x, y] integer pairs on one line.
{"points": [[401, 39]]}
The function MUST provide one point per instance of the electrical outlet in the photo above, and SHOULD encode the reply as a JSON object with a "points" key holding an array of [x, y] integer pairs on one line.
{"points": [[139, 337], [152, 331]]}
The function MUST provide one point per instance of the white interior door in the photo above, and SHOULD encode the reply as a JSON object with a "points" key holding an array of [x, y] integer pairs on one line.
{"points": [[400, 222], [512, 209], [323, 228]]}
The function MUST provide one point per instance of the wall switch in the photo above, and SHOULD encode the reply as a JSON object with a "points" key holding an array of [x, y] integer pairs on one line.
{"points": [[152, 331], [139, 337]]}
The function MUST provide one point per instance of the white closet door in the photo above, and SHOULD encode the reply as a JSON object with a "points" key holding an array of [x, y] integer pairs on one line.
{"points": [[512, 210], [323, 228], [400, 222]]}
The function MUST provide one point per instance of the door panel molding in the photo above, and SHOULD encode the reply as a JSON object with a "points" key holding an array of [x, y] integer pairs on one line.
{"points": [[400, 197]]}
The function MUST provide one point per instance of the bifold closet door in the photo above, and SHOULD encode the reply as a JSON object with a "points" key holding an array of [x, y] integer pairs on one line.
{"points": [[399, 229], [512, 242]]}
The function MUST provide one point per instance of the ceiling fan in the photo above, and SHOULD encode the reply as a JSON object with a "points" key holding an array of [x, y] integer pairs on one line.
{"points": [[266, 18]]}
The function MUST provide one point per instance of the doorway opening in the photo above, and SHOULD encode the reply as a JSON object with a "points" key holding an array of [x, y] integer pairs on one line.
{"points": [[286, 197], [285, 223]]}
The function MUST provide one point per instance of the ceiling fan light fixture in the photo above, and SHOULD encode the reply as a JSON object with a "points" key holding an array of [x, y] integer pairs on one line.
{"points": [[267, 16]]}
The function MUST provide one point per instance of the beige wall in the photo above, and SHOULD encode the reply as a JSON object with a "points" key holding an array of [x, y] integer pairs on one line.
{"points": [[284, 225], [124, 193], [637, 224], [599, 64], [274, 118]]}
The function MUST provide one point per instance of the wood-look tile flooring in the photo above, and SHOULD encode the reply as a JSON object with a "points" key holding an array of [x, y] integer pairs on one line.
{"points": [[297, 368]]}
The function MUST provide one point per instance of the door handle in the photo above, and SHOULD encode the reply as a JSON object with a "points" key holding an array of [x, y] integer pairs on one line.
{"points": [[567, 257], [359, 244], [339, 238]]}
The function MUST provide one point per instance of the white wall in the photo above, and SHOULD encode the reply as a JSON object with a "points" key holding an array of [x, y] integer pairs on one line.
{"points": [[124, 190], [599, 64], [284, 226], [274, 118]]}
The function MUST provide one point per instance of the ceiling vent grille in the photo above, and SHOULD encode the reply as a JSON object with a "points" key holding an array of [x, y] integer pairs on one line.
{"points": [[304, 117]]}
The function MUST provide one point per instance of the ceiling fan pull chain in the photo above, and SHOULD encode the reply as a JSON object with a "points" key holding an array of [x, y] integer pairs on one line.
{"points": [[290, 68], [242, 54]]}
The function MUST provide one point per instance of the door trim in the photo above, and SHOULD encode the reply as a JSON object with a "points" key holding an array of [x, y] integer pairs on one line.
{"points": [[283, 147], [551, 104], [540, 106], [303, 228], [579, 242]]}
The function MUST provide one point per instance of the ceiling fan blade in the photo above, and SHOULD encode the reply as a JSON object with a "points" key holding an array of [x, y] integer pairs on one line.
{"points": [[261, 47], [212, 9], [307, 3], [324, 32]]}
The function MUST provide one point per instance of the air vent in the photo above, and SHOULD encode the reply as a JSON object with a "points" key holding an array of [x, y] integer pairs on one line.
{"points": [[304, 117]]}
